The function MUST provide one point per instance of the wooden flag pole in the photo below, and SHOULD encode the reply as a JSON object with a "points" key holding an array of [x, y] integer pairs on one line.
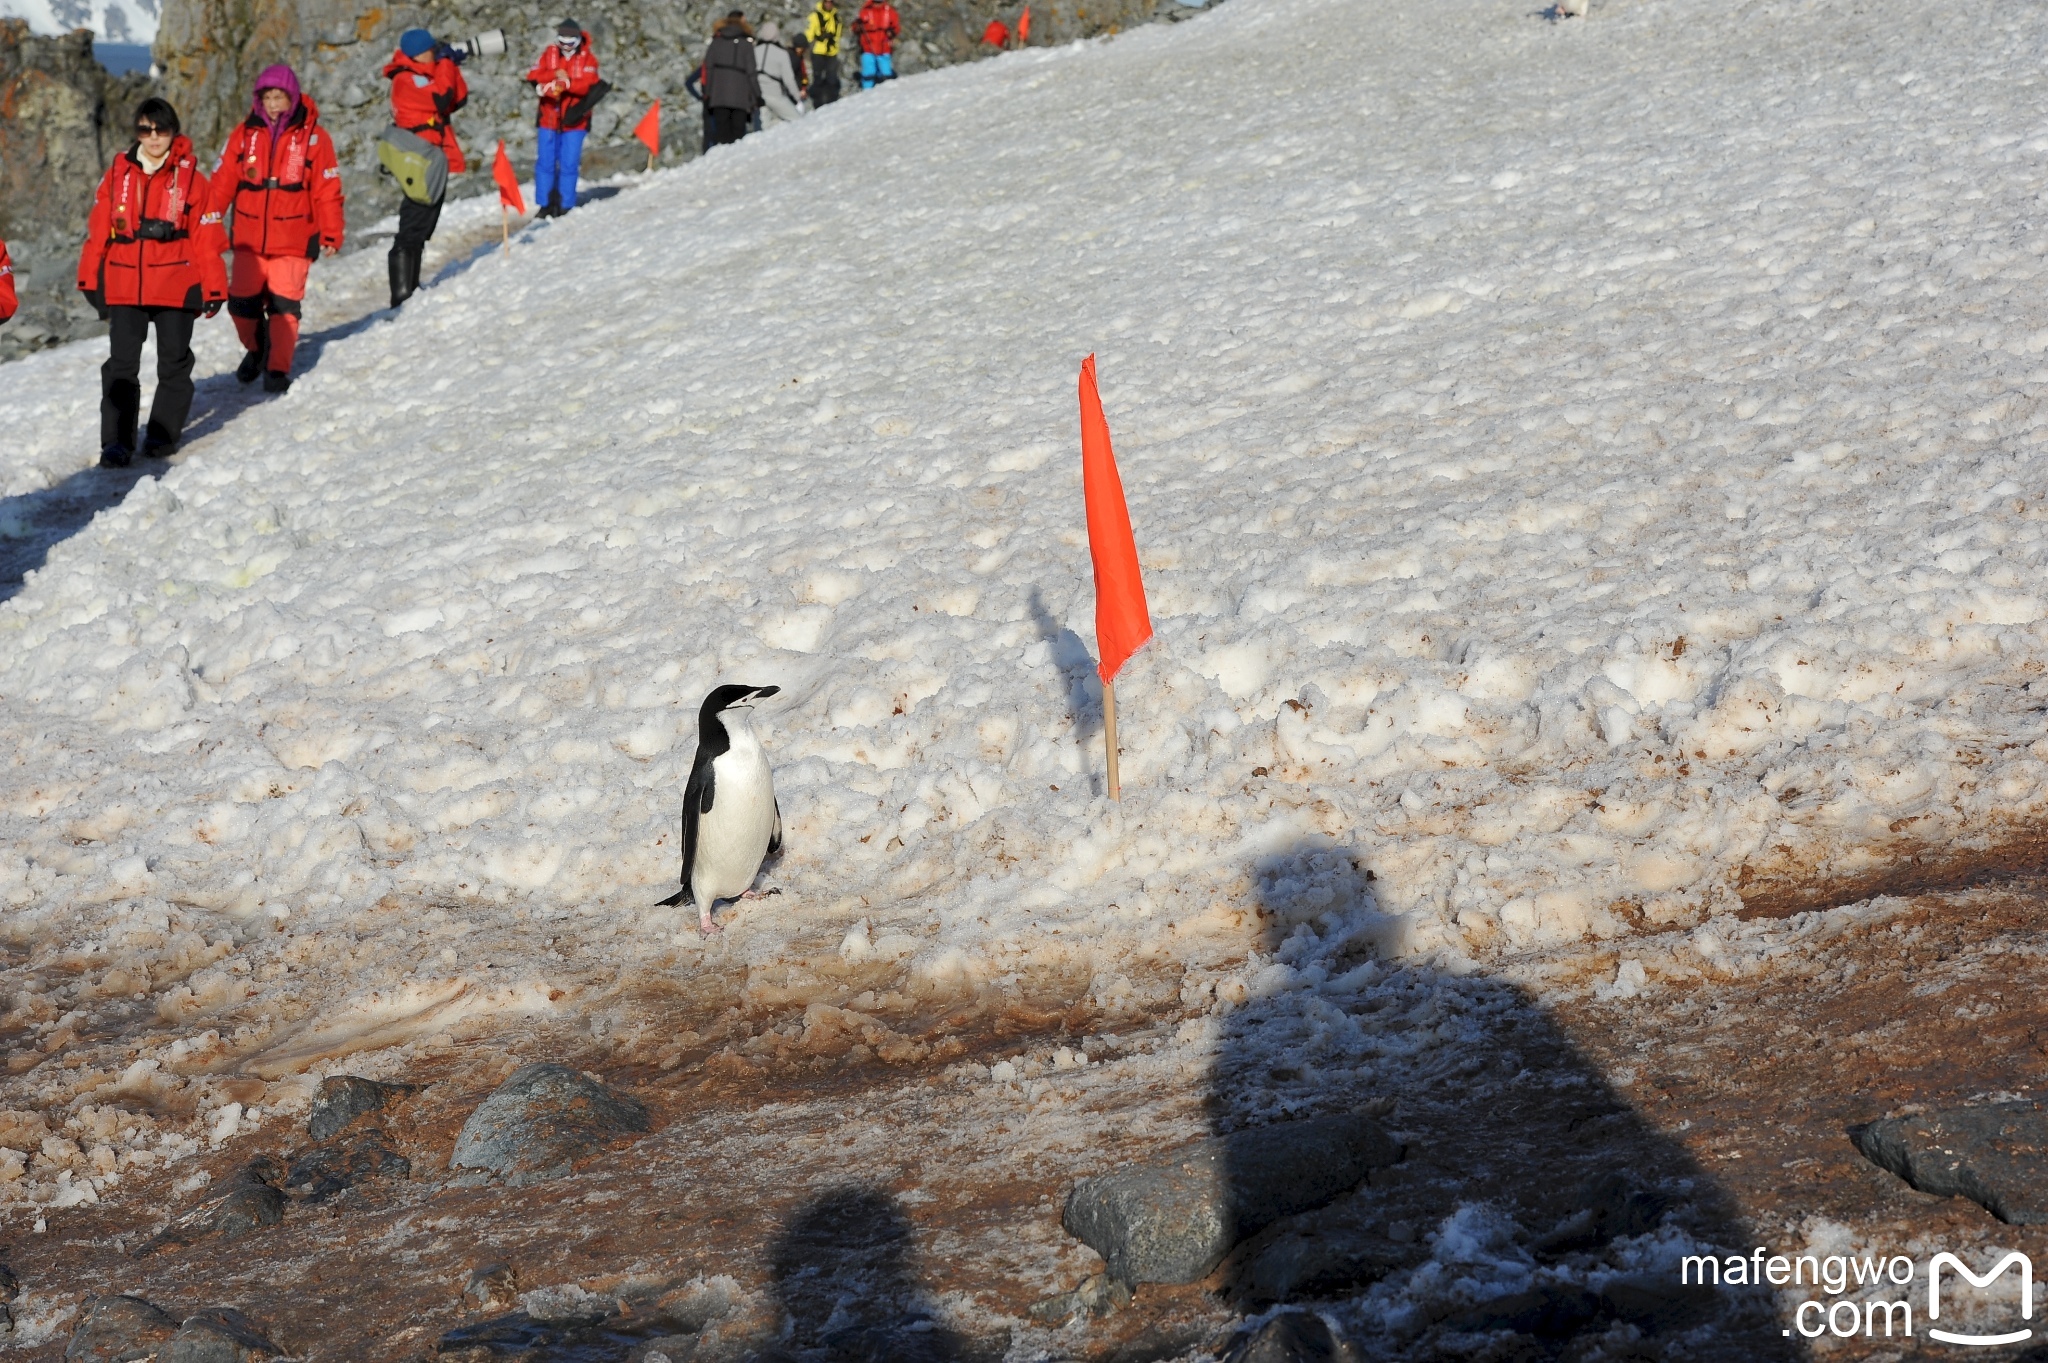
{"points": [[1109, 736], [505, 225], [650, 161]]}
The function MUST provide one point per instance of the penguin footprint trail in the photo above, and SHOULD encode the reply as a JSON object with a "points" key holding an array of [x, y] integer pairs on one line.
{"points": [[731, 822]]}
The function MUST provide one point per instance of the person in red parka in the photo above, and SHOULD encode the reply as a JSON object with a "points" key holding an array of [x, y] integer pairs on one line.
{"points": [[278, 175], [152, 258], [564, 76], [7, 300], [876, 26], [426, 89]]}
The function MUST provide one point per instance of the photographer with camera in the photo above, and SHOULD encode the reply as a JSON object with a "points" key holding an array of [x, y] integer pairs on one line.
{"points": [[278, 175], [420, 148], [566, 78], [152, 257]]}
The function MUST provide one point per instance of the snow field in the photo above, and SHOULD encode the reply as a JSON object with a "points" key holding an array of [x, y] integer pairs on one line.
{"points": [[1570, 463]]}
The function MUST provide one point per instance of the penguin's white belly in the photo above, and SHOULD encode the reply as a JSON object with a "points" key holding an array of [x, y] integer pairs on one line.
{"points": [[732, 839]]}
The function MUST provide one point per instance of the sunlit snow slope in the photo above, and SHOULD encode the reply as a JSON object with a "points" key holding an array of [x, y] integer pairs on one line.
{"points": [[1571, 462]]}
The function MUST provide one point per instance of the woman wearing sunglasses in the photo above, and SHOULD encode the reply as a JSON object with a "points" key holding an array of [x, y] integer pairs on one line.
{"points": [[152, 258]]}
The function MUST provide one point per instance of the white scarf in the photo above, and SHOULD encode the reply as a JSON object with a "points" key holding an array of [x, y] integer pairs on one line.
{"points": [[151, 166]]}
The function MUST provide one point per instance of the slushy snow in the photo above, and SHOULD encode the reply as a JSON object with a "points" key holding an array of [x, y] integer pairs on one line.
{"points": [[1571, 463]]}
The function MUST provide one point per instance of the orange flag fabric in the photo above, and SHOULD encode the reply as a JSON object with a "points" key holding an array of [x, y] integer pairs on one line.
{"points": [[508, 182], [1024, 27], [649, 130], [1122, 623]]}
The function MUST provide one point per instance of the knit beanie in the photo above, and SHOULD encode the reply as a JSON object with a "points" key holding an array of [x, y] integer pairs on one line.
{"points": [[415, 42]]}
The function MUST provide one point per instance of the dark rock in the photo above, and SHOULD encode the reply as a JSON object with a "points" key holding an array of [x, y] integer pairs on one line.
{"points": [[344, 1098], [1551, 1311], [325, 1170], [541, 1121], [1656, 1305], [1608, 1206], [120, 1330], [1296, 1337], [247, 1207], [1173, 1220], [1995, 1156], [1319, 1265], [219, 1334], [10, 1286]]}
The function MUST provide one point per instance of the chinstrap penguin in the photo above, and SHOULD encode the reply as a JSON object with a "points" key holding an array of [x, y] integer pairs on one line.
{"points": [[731, 822]]}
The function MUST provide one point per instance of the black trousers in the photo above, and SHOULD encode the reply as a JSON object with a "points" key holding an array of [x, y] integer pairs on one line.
{"points": [[121, 375], [730, 125], [824, 80], [416, 224]]}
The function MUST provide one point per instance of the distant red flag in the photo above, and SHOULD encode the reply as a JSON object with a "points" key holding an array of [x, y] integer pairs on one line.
{"points": [[649, 130], [508, 182], [1122, 624], [996, 34], [1024, 27]]}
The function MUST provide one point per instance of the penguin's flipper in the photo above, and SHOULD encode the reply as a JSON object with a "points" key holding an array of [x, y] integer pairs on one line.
{"points": [[696, 802], [775, 838], [673, 899]]}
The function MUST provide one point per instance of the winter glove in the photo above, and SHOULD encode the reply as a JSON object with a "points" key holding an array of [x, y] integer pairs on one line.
{"points": [[312, 248], [214, 305], [98, 301]]}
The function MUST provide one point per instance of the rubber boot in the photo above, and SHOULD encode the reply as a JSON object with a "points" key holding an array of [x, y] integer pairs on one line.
{"points": [[412, 269], [396, 262]]}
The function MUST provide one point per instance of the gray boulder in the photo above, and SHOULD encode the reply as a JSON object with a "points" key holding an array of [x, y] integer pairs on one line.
{"points": [[346, 1097], [220, 1334], [120, 1330], [1994, 1155], [1173, 1220], [541, 1121]]}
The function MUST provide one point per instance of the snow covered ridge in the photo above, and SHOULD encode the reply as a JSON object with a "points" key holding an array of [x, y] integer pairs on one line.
{"points": [[1571, 463], [114, 21]]}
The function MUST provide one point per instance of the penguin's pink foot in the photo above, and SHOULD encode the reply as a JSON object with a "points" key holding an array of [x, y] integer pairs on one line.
{"points": [[706, 927], [757, 894]]}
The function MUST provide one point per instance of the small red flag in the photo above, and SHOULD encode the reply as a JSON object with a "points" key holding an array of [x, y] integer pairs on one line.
{"points": [[649, 130], [508, 182], [1122, 624], [1024, 27], [996, 34]]}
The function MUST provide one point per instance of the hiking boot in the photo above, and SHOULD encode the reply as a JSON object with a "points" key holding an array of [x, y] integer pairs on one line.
{"points": [[116, 456], [399, 292], [276, 381], [250, 367], [157, 447]]}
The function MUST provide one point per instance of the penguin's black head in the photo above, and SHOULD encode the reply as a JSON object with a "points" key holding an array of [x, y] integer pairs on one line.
{"points": [[733, 697]]}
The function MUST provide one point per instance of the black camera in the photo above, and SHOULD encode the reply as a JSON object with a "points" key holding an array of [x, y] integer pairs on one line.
{"points": [[157, 229]]}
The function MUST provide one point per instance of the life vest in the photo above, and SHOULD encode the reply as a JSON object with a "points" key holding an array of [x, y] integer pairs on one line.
{"points": [[558, 110], [285, 190], [877, 24], [154, 240], [824, 31]]}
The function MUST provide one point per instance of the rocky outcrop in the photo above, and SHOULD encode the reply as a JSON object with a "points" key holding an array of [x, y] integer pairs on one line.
{"points": [[62, 118]]}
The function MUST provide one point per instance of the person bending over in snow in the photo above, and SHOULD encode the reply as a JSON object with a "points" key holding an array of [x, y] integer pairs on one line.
{"points": [[877, 26], [7, 301], [782, 82], [566, 78], [151, 259], [426, 90], [277, 174], [732, 80]]}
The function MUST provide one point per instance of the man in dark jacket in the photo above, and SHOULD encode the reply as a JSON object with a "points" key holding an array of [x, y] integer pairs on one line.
{"points": [[732, 80]]}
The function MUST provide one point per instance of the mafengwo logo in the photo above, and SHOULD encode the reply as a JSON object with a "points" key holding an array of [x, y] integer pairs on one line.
{"points": [[1867, 1313]]}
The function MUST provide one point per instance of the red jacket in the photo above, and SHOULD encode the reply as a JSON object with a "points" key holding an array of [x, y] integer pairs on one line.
{"points": [[7, 303], [424, 96], [286, 192], [877, 25], [563, 80], [178, 264]]}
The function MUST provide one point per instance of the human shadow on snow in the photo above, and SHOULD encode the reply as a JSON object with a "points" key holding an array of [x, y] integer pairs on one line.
{"points": [[1530, 1213], [32, 523]]}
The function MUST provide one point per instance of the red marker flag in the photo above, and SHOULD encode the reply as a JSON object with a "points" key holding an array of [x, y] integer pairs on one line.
{"points": [[996, 34], [1024, 27], [649, 131], [1122, 623], [508, 182]]}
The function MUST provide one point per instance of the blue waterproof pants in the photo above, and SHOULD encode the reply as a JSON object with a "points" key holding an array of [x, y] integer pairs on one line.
{"points": [[554, 172], [876, 67]]}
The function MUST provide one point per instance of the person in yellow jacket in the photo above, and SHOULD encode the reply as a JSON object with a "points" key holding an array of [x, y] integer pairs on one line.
{"points": [[822, 33]]}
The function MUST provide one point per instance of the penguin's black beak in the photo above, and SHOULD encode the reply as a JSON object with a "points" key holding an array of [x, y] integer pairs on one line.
{"points": [[763, 692]]}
